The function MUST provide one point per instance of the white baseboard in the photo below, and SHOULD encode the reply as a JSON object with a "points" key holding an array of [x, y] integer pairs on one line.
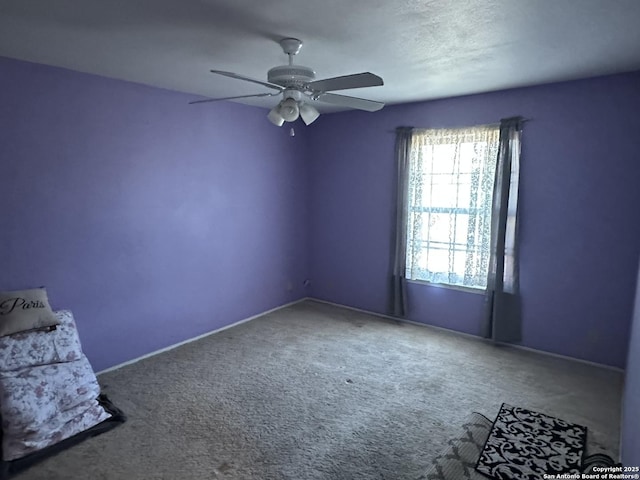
{"points": [[397, 319], [564, 357], [189, 340], [368, 312], [468, 335]]}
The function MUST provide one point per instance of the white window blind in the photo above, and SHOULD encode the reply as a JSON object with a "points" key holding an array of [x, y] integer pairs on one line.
{"points": [[451, 181]]}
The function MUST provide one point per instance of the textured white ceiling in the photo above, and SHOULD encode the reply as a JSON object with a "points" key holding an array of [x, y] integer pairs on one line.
{"points": [[422, 49]]}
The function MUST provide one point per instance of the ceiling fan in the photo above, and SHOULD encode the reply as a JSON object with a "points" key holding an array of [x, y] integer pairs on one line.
{"points": [[299, 88]]}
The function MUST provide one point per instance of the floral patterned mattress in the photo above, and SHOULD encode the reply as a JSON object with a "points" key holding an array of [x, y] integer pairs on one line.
{"points": [[48, 390]]}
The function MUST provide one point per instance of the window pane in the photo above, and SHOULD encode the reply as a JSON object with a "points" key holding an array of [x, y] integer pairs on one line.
{"points": [[450, 210]]}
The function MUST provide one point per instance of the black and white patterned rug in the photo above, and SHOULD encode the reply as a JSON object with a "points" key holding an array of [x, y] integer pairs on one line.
{"points": [[525, 445]]}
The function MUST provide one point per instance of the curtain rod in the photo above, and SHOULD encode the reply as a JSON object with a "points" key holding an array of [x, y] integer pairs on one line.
{"points": [[523, 120]]}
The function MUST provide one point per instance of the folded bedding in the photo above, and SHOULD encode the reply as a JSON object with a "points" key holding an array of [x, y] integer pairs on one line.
{"points": [[49, 393], [44, 404], [42, 347]]}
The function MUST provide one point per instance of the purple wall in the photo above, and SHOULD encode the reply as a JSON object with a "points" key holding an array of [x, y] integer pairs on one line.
{"points": [[631, 401], [579, 197], [153, 220]]}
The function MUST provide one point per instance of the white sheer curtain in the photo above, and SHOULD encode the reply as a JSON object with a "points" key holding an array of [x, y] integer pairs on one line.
{"points": [[450, 188]]}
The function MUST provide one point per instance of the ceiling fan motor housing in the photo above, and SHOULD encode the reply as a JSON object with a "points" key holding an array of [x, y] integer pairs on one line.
{"points": [[291, 75]]}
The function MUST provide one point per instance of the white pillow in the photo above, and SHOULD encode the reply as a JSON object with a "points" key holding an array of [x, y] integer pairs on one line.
{"points": [[24, 310]]}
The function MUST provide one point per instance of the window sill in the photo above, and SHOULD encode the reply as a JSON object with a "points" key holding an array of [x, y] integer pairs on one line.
{"points": [[477, 291]]}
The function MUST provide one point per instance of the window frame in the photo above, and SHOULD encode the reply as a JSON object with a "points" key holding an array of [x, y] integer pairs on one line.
{"points": [[450, 139]]}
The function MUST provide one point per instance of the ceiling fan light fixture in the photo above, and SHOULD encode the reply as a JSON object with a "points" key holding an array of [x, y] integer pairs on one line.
{"points": [[289, 110], [275, 117], [308, 113]]}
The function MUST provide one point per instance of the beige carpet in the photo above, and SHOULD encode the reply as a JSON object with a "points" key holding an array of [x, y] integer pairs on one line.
{"points": [[319, 392]]}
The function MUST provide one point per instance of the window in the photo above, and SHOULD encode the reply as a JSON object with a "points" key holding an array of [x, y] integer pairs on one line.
{"points": [[451, 178]]}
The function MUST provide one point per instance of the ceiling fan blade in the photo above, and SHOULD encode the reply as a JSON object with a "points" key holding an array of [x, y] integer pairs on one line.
{"points": [[351, 102], [232, 98], [357, 80], [247, 79]]}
